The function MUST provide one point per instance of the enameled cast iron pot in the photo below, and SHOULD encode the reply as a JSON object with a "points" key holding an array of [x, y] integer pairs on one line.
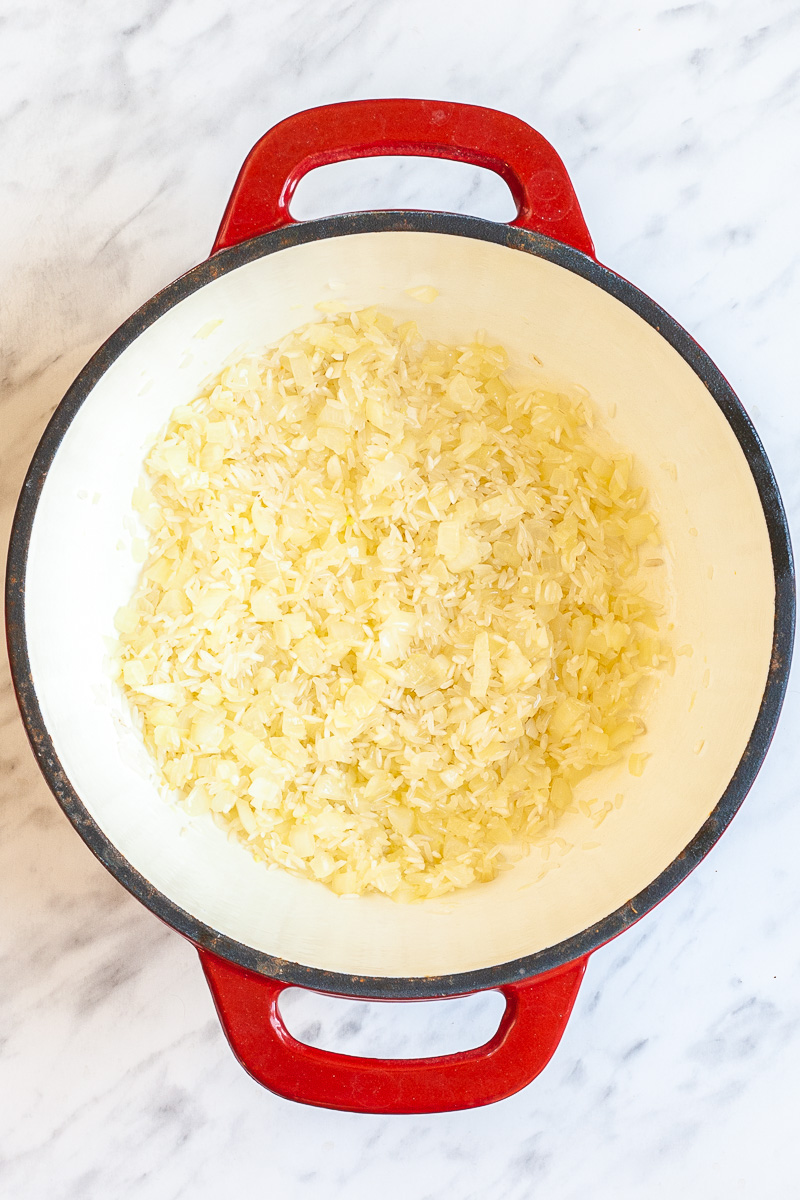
{"points": [[535, 286]]}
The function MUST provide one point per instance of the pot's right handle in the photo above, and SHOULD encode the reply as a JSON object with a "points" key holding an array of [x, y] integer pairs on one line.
{"points": [[538, 180], [537, 1011]]}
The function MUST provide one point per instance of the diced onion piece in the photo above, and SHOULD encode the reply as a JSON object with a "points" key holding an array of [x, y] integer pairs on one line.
{"points": [[264, 605], [425, 294]]}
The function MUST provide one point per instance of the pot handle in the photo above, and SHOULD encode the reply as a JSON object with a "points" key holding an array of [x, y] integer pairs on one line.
{"points": [[536, 1014], [484, 137]]}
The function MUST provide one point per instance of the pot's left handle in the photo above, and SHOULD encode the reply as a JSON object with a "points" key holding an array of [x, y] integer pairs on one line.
{"points": [[536, 1014], [484, 137]]}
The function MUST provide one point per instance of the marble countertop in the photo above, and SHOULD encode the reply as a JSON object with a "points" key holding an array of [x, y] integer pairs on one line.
{"points": [[123, 127]]}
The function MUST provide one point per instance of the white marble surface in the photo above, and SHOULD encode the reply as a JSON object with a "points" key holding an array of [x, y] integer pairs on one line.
{"points": [[123, 127]]}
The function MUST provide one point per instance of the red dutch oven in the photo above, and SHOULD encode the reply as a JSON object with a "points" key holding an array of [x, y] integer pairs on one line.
{"points": [[535, 286]]}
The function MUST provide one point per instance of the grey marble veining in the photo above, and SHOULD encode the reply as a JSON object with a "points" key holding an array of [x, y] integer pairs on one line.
{"points": [[123, 127]]}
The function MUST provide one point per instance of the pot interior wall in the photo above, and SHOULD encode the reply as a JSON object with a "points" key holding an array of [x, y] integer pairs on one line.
{"points": [[80, 570]]}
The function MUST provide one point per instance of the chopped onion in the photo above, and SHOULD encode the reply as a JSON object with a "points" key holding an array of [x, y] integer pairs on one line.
{"points": [[390, 612]]}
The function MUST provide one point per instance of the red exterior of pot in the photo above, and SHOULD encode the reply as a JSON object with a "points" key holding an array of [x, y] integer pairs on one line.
{"points": [[537, 1010], [536, 1015]]}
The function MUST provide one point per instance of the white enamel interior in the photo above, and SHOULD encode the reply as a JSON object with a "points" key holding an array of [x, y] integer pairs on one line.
{"points": [[80, 570]]}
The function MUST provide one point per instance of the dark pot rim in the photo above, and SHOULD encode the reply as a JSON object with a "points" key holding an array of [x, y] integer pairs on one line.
{"points": [[380, 987]]}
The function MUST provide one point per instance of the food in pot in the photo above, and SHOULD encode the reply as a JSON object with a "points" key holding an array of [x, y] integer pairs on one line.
{"points": [[392, 609]]}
